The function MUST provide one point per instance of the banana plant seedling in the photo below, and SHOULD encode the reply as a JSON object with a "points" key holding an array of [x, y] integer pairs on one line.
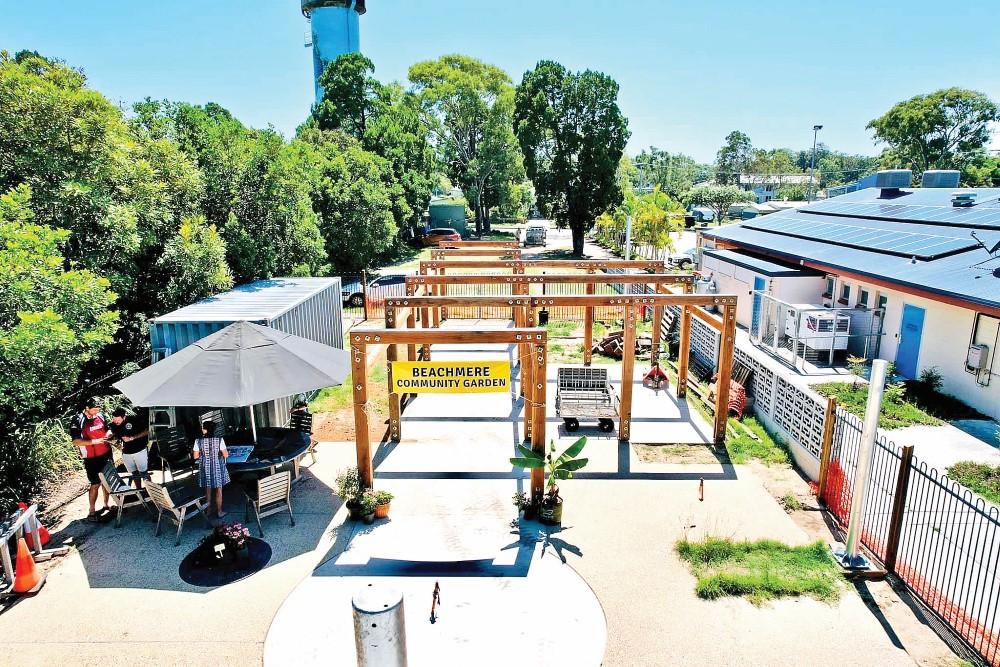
{"points": [[557, 467]]}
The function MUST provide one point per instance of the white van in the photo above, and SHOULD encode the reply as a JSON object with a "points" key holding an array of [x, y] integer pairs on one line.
{"points": [[534, 233]]}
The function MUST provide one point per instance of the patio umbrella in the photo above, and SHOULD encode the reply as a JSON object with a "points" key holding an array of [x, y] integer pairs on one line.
{"points": [[241, 365]]}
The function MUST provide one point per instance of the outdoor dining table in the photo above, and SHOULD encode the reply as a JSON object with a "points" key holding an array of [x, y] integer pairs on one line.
{"points": [[274, 447]]}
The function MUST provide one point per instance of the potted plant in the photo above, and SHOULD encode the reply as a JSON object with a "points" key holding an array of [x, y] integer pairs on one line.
{"points": [[227, 544], [558, 467], [348, 485], [382, 500], [525, 508], [237, 538], [368, 501]]}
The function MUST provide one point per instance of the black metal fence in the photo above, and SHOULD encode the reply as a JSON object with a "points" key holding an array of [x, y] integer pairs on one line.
{"points": [[942, 540]]}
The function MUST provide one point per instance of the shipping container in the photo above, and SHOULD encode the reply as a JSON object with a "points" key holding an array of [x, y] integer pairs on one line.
{"points": [[305, 307]]}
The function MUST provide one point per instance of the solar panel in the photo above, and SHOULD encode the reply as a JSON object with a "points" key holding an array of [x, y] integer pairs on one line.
{"points": [[980, 216], [886, 241]]}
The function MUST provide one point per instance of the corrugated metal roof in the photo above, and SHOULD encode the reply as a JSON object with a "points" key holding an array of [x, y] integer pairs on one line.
{"points": [[262, 300], [938, 256], [761, 265]]}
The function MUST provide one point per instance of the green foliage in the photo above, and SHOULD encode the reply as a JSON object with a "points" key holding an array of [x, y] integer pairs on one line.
{"points": [[792, 192], [718, 198], [347, 485], [468, 106], [791, 503], [556, 467], [572, 135], [761, 570], [195, 260], [733, 159], [675, 173], [745, 447], [931, 379], [982, 478], [894, 413], [936, 131], [655, 216]]}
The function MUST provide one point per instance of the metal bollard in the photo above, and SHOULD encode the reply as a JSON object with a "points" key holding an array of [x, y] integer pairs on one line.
{"points": [[379, 627]]}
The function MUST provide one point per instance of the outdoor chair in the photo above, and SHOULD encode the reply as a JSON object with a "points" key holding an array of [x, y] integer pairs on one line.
{"points": [[122, 494], [302, 421], [175, 512], [175, 451], [270, 495]]}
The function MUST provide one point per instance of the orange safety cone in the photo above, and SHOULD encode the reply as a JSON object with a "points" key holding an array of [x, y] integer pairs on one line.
{"points": [[43, 534], [26, 576]]}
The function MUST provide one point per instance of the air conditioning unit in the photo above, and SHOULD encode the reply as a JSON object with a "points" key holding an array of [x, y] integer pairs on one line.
{"points": [[977, 357], [893, 179], [819, 331], [940, 178]]}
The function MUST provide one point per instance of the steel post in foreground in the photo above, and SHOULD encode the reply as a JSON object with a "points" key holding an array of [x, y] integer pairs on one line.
{"points": [[851, 557], [379, 629]]}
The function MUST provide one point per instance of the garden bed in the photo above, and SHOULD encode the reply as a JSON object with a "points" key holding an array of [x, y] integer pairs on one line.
{"points": [[894, 414], [981, 478]]}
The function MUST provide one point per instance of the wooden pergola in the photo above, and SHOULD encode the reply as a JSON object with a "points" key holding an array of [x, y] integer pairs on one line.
{"points": [[478, 244], [520, 284], [533, 339], [445, 253], [401, 311], [429, 267]]}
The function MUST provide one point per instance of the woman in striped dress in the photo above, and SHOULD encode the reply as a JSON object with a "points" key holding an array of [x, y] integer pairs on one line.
{"points": [[211, 454]]}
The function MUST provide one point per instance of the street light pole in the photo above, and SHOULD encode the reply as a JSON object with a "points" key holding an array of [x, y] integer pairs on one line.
{"points": [[812, 162]]}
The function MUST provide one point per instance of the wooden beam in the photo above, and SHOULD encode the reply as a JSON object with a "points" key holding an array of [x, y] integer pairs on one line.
{"points": [[654, 352], [478, 244], [588, 329], [519, 265], [708, 318], [551, 279], [362, 437], [684, 354], [538, 421], [826, 448], [725, 373], [576, 300], [395, 408], [514, 253], [457, 336], [628, 364], [898, 505]]}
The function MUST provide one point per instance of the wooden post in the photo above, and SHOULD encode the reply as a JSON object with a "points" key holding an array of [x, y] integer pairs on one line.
{"points": [[538, 408], [364, 291], [725, 372], [684, 353], [395, 405], [411, 323], [588, 327], [898, 505], [628, 363], [359, 378], [391, 355], [528, 377], [826, 449], [442, 291], [654, 353]]}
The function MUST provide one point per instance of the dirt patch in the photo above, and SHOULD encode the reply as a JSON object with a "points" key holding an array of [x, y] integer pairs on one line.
{"points": [[337, 425], [680, 453]]}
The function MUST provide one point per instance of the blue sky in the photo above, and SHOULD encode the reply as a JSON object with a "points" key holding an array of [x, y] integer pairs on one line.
{"points": [[690, 72]]}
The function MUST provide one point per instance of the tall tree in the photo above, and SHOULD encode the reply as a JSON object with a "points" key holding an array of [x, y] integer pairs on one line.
{"points": [[675, 173], [469, 106], [733, 159], [718, 198], [572, 134], [195, 261], [942, 130]]}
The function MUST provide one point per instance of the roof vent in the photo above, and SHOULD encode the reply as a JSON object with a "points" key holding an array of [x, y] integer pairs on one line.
{"points": [[891, 180], [940, 178], [963, 199]]}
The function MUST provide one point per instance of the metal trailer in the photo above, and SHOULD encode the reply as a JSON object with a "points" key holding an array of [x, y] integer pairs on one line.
{"points": [[306, 307], [583, 392]]}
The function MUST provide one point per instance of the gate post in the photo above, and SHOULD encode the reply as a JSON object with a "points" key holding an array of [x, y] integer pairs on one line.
{"points": [[364, 291], [829, 422], [898, 505]]}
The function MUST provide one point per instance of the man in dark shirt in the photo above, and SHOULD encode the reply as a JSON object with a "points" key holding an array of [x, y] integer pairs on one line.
{"points": [[131, 434], [89, 430]]}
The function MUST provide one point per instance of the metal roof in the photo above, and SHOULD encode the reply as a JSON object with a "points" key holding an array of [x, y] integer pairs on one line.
{"points": [[259, 301], [916, 239], [761, 265]]}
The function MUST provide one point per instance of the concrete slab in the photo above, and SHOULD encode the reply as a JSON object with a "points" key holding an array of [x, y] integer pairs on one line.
{"points": [[944, 445]]}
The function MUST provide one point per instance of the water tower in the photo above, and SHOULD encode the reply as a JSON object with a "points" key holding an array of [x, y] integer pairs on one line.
{"points": [[333, 31]]}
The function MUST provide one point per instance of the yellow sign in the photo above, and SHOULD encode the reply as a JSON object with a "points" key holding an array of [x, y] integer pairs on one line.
{"points": [[450, 377]]}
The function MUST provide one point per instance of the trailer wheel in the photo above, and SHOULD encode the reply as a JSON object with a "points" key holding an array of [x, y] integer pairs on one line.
{"points": [[571, 424], [607, 425]]}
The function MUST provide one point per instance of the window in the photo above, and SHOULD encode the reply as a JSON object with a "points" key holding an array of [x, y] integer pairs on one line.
{"points": [[845, 294], [831, 283], [882, 301], [863, 296]]}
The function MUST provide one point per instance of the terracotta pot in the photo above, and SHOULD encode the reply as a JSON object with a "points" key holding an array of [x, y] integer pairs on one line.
{"points": [[382, 511]]}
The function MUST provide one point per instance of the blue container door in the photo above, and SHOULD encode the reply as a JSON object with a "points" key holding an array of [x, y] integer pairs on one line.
{"points": [[758, 285], [909, 341]]}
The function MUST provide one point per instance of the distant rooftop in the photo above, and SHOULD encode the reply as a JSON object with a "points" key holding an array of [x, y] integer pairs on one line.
{"points": [[262, 300]]}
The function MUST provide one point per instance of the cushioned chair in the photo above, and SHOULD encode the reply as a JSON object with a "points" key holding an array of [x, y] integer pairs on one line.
{"points": [[176, 512], [121, 493], [270, 495]]}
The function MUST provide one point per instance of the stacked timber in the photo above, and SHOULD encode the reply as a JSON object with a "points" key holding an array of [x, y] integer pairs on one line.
{"points": [[613, 345]]}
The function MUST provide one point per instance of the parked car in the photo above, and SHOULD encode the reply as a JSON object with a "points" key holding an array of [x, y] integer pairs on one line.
{"points": [[535, 233], [353, 294], [433, 236], [702, 214], [686, 259]]}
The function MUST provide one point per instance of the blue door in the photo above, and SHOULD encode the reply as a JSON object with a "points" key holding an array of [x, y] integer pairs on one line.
{"points": [[909, 341], [758, 285]]}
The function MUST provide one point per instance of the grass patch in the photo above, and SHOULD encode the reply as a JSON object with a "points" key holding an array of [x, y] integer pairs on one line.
{"points": [[762, 570], [791, 503], [561, 328], [341, 397], [982, 478], [744, 447], [894, 414]]}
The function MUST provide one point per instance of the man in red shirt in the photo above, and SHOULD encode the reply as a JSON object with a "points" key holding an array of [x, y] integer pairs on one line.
{"points": [[89, 430]]}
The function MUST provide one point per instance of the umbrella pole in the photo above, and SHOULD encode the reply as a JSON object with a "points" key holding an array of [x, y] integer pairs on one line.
{"points": [[253, 426]]}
